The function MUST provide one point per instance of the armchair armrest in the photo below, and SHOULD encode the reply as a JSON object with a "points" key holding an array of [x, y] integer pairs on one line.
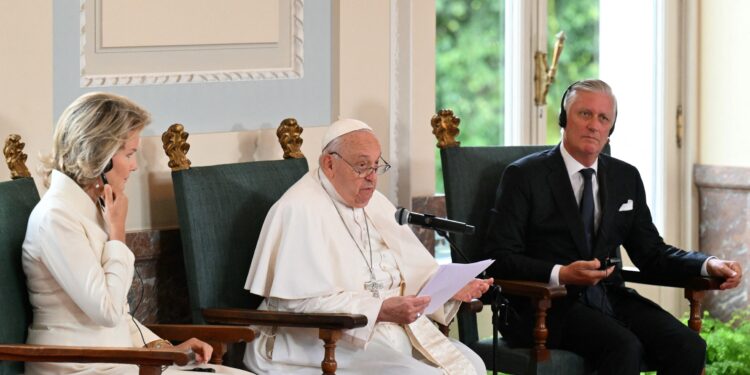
{"points": [[531, 289], [633, 274], [216, 336], [332, 321], [150, 360], [329, 325]]}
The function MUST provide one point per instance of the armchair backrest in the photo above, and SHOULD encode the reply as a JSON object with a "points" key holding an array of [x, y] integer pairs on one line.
{"points": [[221, 211], [17, 199]]}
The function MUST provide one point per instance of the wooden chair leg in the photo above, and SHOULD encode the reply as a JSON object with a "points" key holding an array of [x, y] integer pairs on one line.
{"points": [[329, 337], [695, 297], [149, 370], [220, 348], [695, 322], [540, 351]]}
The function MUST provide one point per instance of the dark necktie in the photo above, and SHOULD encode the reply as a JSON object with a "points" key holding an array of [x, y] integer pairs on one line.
{"points": [[587, 208], [594, 296]]}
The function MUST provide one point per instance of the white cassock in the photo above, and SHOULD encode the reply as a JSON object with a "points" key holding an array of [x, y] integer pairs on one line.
{"points": [[313, 255]]}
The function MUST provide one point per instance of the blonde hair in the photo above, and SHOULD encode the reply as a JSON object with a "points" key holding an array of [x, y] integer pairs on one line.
{"points": [[89, 133]]}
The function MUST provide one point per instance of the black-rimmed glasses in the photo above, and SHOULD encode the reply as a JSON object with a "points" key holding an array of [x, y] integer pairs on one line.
{"points": [[362, 170]]}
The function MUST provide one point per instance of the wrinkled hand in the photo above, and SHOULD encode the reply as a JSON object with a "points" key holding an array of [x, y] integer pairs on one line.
{"points": [[402, 310], [729, 270], [584, 272], [202, 350], [474, 289], [115, 212]]}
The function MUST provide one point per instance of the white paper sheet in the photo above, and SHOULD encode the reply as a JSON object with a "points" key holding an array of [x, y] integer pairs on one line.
{"points": [[448, 280]]}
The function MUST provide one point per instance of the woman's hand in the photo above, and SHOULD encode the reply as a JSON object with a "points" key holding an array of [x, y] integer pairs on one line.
{"points": [[202, 350], [474, 289], [115, 212]]}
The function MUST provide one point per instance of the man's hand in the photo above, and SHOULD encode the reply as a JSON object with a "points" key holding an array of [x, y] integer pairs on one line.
{"points": [[729, 270], [584, 272], [474, 289], [402, 310]]}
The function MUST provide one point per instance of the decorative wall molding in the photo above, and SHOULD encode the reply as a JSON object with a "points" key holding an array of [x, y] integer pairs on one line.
{"points": [[294, 68]]}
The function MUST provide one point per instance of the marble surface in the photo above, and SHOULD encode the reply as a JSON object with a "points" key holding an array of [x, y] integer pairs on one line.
{"points": [[725, 228], [159, 290]]}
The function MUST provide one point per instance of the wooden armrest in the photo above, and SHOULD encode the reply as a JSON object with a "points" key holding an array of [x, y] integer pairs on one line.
{"points": [[632, 274], [475, 306], [284, 319], [532, 289], [81, 354], [182, 332]]}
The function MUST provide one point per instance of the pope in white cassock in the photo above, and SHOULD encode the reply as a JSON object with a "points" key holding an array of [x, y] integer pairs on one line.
{"points": [[331, 244]]}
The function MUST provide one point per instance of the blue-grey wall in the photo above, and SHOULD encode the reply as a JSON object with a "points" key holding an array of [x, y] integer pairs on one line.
{"points": [[211, 107]]}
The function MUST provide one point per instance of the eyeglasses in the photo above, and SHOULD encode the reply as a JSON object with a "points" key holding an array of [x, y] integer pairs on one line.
{"points": [[362, 170]]}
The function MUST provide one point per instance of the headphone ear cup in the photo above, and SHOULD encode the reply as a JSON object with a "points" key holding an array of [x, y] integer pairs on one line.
{"points": [[563, 119]]}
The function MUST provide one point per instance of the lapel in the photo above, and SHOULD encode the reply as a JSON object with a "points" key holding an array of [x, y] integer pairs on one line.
{"points": [[605, 196], [565, 200]]}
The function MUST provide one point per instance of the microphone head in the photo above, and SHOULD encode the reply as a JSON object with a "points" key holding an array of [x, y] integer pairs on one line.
{"points": [[402, 216]]}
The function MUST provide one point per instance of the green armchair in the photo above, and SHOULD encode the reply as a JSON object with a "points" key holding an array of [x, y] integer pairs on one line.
{"points": [[471, 177], [221, 212]]}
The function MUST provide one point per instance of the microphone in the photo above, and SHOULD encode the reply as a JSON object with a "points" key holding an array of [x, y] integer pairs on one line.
{"points": [[404, 216]]}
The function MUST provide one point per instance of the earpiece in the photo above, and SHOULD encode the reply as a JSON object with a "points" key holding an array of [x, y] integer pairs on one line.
{"points": [[107, 168], [562, 120]]}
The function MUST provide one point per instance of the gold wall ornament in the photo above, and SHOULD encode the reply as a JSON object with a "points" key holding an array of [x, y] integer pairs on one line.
{"points": [[289, 133], [14, 156], [176, 147], [445, 128], [544, 75]]}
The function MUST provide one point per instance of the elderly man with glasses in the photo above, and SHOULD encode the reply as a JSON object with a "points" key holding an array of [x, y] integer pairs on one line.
{"points": [[331, 244]]}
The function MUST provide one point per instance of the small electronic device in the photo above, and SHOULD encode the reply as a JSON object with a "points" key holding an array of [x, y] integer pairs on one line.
{"points": [[609, 262]]}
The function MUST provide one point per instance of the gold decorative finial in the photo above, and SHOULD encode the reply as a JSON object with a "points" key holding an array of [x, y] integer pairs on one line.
{"points": [[289, 134], [176, 147], [544, 76], [15, 157], [445, 128]]}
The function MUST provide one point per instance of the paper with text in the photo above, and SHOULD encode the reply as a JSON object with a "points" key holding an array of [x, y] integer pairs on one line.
{"points": [[448, 280]]}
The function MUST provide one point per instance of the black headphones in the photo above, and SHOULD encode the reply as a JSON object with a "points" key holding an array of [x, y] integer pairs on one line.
{"points": [[562, 120], [107, 168]]}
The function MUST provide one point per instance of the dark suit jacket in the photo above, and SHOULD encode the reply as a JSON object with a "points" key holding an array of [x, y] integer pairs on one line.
{"points": [[536, 224]]}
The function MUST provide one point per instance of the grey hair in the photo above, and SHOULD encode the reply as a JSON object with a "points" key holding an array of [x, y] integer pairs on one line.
{"points": [[589, 85], [89, 133]]}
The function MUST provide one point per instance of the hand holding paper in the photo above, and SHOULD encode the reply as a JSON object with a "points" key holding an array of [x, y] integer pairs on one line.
{"points": [[449, 279]]}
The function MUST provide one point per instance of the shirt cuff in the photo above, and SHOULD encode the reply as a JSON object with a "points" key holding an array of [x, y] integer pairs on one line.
{"points": [[554, 276], [704, 267]]}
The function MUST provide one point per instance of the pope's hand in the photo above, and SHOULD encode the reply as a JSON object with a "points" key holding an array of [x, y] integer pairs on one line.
{"points": [[402, 310], [474, 289]]}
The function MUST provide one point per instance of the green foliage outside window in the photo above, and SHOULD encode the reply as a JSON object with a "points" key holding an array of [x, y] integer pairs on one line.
{"points": [[580, 57], [469, 59]]}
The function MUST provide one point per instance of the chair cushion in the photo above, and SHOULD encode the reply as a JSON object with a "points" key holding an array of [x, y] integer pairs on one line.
{"points": [[519, 360]]}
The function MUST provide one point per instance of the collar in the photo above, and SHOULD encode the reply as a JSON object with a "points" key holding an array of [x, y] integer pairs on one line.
{"points": [[63, 186], [572, 165]]}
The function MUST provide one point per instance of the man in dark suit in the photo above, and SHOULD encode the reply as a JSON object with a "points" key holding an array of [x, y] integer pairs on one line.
{"points": [[559, 214]]}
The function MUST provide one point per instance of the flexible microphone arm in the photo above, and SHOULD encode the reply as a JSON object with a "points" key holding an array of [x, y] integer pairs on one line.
{"points": [[497, 301]]}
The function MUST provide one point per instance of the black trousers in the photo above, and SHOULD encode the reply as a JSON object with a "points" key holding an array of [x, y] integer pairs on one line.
{"points": [[639, 331]]}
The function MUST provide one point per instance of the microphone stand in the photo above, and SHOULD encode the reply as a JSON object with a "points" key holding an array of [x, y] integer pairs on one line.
{"points": [[497, 301]]}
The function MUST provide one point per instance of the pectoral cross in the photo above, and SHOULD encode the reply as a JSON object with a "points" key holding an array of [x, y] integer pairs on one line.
{"points": [[373, 287]]}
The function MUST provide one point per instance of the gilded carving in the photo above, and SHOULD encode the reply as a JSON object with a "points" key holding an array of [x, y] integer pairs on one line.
{"points": [[289, 133], [445, 128], [15, 157], [176, 147]]}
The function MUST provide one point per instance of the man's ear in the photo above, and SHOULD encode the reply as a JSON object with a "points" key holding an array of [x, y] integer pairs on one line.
{"points": [[327, 164]]}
